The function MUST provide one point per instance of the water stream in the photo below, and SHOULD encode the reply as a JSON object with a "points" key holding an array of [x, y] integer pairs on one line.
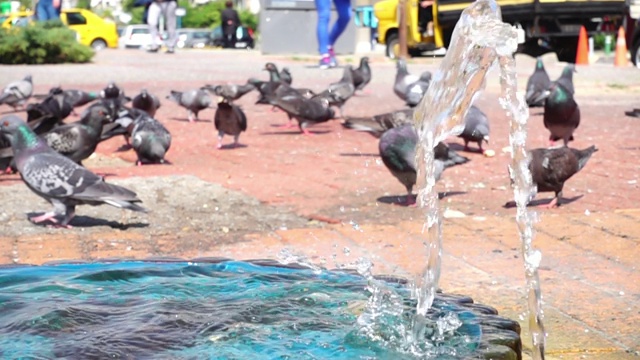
{"points": [[480, 38]]}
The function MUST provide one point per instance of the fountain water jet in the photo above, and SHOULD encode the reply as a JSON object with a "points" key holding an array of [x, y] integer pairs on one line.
{"points": [[479, 39]]}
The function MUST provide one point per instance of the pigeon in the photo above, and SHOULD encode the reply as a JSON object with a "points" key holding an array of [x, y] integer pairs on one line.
{"points": [[49, 113], [150, 140], [362, 74], [58, 179], [112, 91], [403, 79], [146, 102], [416, 90], [77, 98], [79, 140], [633, 113], [306, 111], [476, 128], [537, 84], [276, 77], [378, 124], [339, 92], [566, 78], [230, 120], [231, 92], [397, 148], [16, 93], [122, 125], [561, 114], [192, 100], [285, 76], [552, 167]]}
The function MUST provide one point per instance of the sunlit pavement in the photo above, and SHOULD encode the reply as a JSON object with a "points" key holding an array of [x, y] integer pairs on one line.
{"points": [[590, 280]]}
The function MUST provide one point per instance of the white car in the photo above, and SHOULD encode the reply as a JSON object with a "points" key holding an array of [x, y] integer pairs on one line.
{"points": [[135, 37]]}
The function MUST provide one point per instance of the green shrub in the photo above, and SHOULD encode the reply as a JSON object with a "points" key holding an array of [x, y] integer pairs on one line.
{"points": [[42, 43]]}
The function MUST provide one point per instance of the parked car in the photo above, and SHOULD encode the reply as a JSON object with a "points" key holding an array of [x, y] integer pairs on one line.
{"points": [[91, 29], [135, 37], [194, 38], [244, 36]]}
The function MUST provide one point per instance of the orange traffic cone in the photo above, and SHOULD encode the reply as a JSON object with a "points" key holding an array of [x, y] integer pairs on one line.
{"points": [[582, 55], [621, 49]]}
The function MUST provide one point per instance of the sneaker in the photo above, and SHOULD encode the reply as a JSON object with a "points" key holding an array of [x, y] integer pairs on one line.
{"points": [[171, 50], [153, 49], [332, 56], [325, 63]]}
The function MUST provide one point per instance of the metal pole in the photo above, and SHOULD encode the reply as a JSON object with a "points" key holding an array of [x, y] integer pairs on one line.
{"points": [[402, 34]]}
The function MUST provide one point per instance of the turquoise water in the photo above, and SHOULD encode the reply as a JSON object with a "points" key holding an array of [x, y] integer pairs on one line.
{"points": [[227, 310]]}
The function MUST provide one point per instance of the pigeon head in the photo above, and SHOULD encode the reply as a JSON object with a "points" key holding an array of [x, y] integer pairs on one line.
{"points": [[16, 130], [539, 64], [364, 60], [270, 67], [55, 90], [28, 78], [401, 65]]}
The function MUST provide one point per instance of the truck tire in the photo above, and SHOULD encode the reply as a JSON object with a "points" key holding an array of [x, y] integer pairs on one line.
{"points": [[566, 48], [635, 52], [393, 46]]}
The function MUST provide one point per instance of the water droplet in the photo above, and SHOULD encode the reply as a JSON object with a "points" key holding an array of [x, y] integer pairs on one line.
{"points": [[621, 293], [587, 212]]}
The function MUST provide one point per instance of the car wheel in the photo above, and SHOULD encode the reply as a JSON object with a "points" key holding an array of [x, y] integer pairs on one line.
{"points": [[393, 46], [98, 44], [635, 53]]}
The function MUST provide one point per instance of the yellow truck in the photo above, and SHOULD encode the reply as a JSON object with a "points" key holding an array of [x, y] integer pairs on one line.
{"points": [[547, 25]]}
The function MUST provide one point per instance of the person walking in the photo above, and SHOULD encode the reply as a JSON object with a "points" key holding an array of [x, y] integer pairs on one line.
{"points": [[166, 9], [326, 39], [48, 10], [230, 24]]}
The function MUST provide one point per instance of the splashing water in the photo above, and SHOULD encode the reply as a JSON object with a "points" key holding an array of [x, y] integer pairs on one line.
{"points": [[479, 39]]}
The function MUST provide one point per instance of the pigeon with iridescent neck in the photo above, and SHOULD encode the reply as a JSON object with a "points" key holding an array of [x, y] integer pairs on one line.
{"points": [[150, 140], [537, 84], [58, 179], [561, 114]]}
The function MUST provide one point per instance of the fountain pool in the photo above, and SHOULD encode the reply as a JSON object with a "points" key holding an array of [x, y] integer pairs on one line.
{"points": [[223, 309]]}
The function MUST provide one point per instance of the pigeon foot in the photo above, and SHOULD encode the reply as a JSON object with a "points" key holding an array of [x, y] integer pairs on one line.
{"points": [[554, 203], [50, 216], [219, 146]]}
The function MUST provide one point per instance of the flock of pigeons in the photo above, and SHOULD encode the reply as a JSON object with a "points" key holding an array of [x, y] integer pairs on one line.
{"points": [[48, 153]]}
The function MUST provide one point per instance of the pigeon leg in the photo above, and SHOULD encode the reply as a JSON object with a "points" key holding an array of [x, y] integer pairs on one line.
{"points": [[306, 131], [466, 145], [480, 147], [70, 213], [556, 201], [8, 170], [220, 135], [190, 116], [235, 141], [410, 200]]}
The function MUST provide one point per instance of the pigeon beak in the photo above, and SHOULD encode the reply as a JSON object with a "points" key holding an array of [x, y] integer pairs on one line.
{"points": [[486, 138]]}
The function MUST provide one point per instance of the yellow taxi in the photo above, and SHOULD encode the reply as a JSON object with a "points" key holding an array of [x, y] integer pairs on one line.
{"points": [[92, 30]]}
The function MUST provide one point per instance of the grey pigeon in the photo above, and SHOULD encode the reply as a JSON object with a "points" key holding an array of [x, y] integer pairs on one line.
{"points": [[77, 98], [285, 76], [376, 125], [476, 128], [79, 140], [566, 78], [229, 120], [561, 114], [552, 167], [192, 100], [306, 111], [339, 92], [113, 98], [415, 91], [16, 93], [537, 85], [397, 148], [230, 92], [362, 74], [146, 102], [276, 77], [58, 179], [122, 125], [49, 113], [403, 79], [150, 140]]}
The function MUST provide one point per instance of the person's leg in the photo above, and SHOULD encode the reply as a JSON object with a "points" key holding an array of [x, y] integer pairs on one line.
{"points": [[153, 18], [343, 8], [170, 24], [324, 15]]}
